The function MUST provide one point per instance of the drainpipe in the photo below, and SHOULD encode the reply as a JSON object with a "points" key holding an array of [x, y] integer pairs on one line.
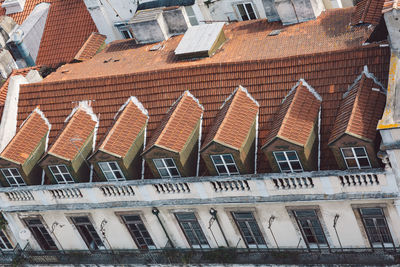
{"points": [[156, 212], [213, 213], [270, 221], [334, 226], [17, 38]]}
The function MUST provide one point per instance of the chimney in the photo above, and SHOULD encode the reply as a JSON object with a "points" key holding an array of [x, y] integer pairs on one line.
{"points": [[295, 11], [158, 24], [13, 6]]}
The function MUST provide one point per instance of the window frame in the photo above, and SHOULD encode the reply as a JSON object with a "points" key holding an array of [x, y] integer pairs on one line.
{"points": [[40, 227], [320, 224], [382, 244], [355, 157], [191, 17], [4, 236], [13, 177], [72, 217], [288, 161], [192, 221], [256, 244], [236, 5], [61, 173], [115, 179], [123, 220], [224, 164], [166, 168], [124, 27]]}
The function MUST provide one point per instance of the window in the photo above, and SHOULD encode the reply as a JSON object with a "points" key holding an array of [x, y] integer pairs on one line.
{"points": [[310, 228], [192, 230], [61, 174], [5, 244], [224, 164], [376, 227], [191, 15], [87, 232], [246, 11], [356, 157], [40, 233], [123, 28], [13, 177], [112, 171], [288, 161], [167, 168], [249, 229], [138, 231]]}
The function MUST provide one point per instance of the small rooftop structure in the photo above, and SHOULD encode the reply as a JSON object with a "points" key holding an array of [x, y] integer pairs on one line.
{"points": [[13, 6], [201, 40]]}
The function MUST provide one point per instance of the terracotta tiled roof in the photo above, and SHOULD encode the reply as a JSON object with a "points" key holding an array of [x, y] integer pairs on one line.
{"points": [[330, 32], [390, 4], [91, 46], [157, 79], [234, 120], [130, 122], [68, 26], [297, 115], [19, 17], [360, 110], [177, 126], [27, 138], [368, 11], [4, 87], [79, 127]]}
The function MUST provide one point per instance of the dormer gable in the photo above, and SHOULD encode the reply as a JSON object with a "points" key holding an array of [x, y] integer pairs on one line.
{"points": [[18, 161], [355, 125], [229, 147], [172, 150], [291, 144], [65, 162], [118, 156]]}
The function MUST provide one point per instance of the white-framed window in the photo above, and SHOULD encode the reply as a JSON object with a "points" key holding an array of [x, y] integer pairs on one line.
{"points": [[224, 164], [61, 174], [288, 161], [5, 243], [356, 157], [191, 15], [123, 28], [13, 177], [246, 11], [166, 168], [112, 171]]}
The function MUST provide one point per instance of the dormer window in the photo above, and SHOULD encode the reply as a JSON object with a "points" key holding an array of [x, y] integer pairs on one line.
{"points": [[112, 171], [167, 168], [246, 11], [13, 177], [61, 174], [224, 164], [288, 161], [356, 157]]}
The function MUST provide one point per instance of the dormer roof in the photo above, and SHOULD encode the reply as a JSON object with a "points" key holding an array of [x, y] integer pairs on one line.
{"points": [[28, 137], [80, 124], [92, 45], [296, 116], [132, 118], [234, 120], [368, 11], [178, 124], [360, 109]]}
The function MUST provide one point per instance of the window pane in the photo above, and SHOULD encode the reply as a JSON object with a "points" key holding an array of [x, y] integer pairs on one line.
{"points": [[291, 155], [217, 159], [296, 165], [360, 151], [163, 172], [250, 11], [347, 152], [158, 163], [284, 166], [364, 162], [174, 172], [228, 158], [280, 156], [352, 163], [169, 162], [242, 12], [232, 169], [63, 168], [221, 169]]}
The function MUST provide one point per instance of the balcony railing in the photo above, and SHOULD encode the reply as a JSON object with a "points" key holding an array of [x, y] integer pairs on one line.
{"points": [[278, 186]]}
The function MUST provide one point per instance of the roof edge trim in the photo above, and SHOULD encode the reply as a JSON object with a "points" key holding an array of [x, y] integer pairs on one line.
{"points": [[368, 75], [137, 103], [305, 84]]}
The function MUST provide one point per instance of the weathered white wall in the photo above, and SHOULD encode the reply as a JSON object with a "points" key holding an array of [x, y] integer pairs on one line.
{"points": [[224, 9]]}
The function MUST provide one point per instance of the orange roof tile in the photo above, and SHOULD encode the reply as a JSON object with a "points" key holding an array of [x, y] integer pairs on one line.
{"points": [[25, 142], [91, 46], [68, 26], [234, 120], [368, 11], [4, 87], [131, 121], [267, 67], [79, 127], [178, 124], [297, 115], [360, 110], [330, 32]]}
